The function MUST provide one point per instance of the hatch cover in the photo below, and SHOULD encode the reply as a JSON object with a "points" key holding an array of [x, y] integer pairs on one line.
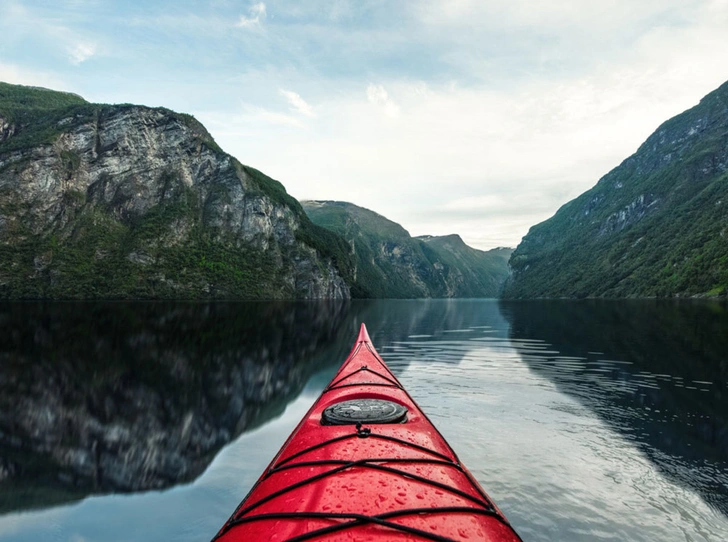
{"points": [[364, 411]]}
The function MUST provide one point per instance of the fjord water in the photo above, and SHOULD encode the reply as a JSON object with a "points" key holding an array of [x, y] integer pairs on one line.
{"points": [[584, 420]]}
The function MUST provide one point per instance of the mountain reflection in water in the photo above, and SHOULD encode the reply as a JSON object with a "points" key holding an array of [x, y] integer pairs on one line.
{"points": [[584, 420], [655, 371], [109, 397], [99, 397]]}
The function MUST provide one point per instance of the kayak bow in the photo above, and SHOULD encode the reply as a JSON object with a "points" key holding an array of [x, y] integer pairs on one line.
{"points": [[365, 463]]}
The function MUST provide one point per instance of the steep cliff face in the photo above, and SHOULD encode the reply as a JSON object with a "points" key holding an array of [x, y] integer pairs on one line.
{"points": [[467, 272], [391, 263], [657, 225], [130, 201]]}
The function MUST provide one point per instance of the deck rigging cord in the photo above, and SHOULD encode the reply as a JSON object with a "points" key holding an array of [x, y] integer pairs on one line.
{"points": [[485, 507]]}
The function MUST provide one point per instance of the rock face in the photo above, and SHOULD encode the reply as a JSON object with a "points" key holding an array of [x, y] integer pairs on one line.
{"points": [[391, 263], [130, 201], [132, 396], [657, 225], [468, 272]]}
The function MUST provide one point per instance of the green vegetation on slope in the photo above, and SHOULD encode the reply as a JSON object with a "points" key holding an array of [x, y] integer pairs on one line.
{"points": [[654, 226], [101, 257], [324, 240], [35, 114], [392, 264], [379, 273], [16, 99], [91, 251], [40, 115], [483, 272]]}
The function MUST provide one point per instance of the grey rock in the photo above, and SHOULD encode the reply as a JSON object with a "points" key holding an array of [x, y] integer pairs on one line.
{"points": [[111, 171]]}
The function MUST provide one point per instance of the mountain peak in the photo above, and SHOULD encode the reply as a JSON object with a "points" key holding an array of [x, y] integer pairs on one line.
{"points": [[653, 226], [391, 263], [128, 201]]}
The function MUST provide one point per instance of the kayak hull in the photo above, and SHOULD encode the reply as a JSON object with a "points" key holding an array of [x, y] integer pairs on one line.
{"points": [[344, 474]]}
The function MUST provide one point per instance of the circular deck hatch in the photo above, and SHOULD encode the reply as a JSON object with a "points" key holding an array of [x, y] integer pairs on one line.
{"points": [[364, 411]]}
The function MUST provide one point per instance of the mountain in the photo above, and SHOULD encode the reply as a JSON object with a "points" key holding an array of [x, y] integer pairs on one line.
{"points": [[475, 273], [656, 225], [126, 201], [391, 263]]}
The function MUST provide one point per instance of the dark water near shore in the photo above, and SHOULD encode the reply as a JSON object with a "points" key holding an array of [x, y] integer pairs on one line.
{"points": [[584, 420]]}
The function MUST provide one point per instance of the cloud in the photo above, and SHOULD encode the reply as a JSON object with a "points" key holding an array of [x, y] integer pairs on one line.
{"points": [[256, 14], [80, 52], [252, 123], [480, 118], [273, 117], [46, 31], [479, 204], [297, 103], [477, 161], [377, 95], [11, 73], [557, 15]]}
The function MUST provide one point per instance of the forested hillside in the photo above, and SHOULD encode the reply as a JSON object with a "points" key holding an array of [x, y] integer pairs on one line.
{"points": [[391, 263], [656, 225]]}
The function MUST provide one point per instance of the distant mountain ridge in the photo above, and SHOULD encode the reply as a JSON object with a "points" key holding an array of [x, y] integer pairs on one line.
{"points": [[132, 202], [127, 201], [656, 225], [391, 263]]}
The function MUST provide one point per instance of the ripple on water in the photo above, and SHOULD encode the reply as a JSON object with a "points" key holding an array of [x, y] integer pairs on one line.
{"points": [[501, 403]]}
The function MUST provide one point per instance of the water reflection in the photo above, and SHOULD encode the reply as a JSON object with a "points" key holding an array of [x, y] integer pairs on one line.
{"points": [[98, 397], [569, 413], [655, 371], [424, 322]]}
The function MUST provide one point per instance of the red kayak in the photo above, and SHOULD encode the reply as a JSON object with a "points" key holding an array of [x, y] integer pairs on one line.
{"points": [[365, 463]]}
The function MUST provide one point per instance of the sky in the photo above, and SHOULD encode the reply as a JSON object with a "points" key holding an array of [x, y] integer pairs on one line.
{"points": [[476, 117]]}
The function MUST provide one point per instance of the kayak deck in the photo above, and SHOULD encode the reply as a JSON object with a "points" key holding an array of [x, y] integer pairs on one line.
{"points": [[344, 474]]}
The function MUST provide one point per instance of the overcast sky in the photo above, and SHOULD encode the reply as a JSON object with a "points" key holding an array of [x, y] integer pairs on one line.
{"points": [[477, 117]]}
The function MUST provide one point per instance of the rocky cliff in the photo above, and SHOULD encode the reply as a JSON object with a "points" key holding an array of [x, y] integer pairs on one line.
{"points": [[129, 201], [467, 271], [656, 225], [390, 263]]}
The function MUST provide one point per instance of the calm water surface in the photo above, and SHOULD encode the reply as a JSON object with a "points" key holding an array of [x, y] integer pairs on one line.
{"points": [[583, 420]]}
